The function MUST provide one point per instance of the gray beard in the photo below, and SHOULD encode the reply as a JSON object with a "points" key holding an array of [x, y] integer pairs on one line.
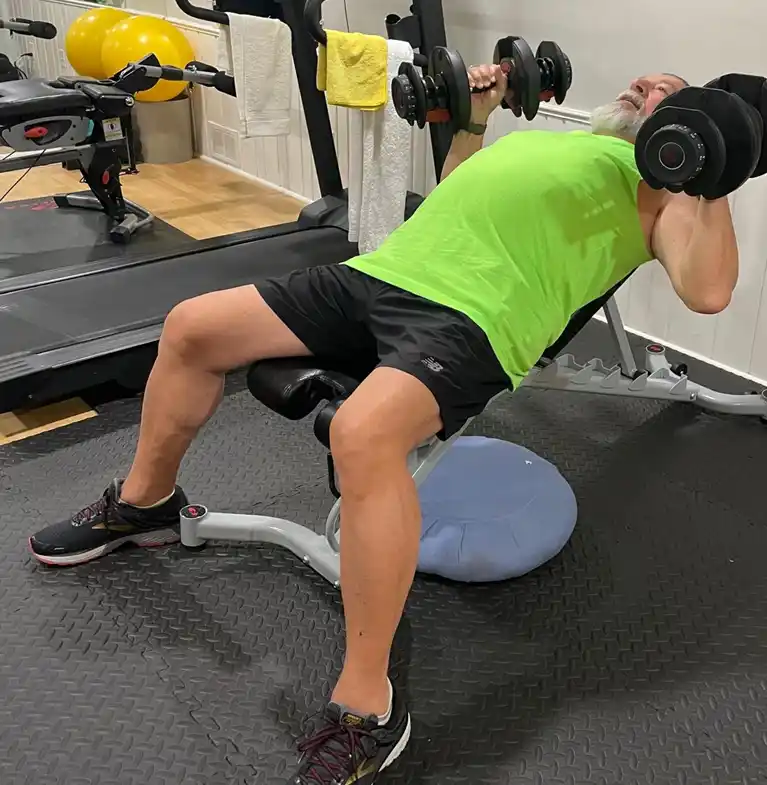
{"points": [[615, 119]]}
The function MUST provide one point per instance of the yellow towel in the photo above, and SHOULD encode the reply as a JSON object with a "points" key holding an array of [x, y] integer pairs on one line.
{"points": [[351, 69]]}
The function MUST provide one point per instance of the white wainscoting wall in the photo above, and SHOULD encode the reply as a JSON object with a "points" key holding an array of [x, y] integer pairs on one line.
{"points": [[605, 54]]}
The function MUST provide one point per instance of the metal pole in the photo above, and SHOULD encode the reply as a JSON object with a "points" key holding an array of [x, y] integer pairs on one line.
{"points": [[315, 106], [431, 19], [615, 323]]}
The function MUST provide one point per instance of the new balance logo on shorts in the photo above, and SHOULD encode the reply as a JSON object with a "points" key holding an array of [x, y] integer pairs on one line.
{"points": [[432, 364]]}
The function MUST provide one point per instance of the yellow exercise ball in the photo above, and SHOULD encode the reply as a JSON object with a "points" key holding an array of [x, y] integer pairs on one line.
{"points": [[132, 39], [85, 38]]}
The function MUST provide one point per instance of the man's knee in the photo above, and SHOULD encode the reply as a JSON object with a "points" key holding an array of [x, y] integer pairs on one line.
{"points": [[228, 329], [364, 449], [189, 329]]}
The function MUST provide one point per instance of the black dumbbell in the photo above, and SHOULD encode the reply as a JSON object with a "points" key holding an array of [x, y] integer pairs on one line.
{"points": [[702, 141], [443, 93], [532, 77]]}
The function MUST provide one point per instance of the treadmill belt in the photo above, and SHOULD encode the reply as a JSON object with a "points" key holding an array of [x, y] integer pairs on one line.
{"points": [[638, 656], [130, 298], [38, 236]]}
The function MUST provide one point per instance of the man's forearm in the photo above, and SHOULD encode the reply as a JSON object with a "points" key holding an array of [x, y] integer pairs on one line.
{"points": [[463, 147], [711, 258]]}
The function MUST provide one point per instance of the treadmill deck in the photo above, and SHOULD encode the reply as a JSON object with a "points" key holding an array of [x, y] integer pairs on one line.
{"points": [[102, 316]]}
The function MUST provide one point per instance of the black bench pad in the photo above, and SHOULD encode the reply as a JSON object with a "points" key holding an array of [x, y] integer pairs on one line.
{"points": [[30, 98], [294, 386]]}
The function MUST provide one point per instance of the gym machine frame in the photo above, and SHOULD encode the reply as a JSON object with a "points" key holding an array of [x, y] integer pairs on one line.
{"points": [[321, 551], [424, 30], [315, 106], [90, 137]]}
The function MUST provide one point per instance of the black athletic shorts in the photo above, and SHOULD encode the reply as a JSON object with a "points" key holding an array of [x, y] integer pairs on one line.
{"points": [[360, 323]]}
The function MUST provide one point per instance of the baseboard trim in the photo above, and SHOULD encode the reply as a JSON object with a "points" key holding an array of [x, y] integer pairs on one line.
{"points": [[253, 178]]}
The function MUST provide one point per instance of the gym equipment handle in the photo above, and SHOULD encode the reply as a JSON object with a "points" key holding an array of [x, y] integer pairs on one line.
{"points": [[28, 27], [194, 73], [206, 14], [313, 21]]}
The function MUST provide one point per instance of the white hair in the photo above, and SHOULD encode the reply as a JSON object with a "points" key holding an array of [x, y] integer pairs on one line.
{"points": [[617, 119]]}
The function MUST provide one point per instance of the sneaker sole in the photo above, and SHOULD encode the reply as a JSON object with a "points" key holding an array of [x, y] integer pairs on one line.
{"points": [[399, 747], [152, 539]]}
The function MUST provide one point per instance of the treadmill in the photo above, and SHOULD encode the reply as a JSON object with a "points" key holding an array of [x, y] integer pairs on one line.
{"points": [[66, 330]]}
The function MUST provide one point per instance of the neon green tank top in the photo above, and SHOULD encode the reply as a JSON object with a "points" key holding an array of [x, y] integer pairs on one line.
{"points": [[521, 236]]}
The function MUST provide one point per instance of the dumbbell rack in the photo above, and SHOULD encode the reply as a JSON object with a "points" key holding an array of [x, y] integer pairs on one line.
{"points": [[658, 380]]}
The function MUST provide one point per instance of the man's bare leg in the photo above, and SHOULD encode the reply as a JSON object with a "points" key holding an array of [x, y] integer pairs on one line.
{"points": [[372, 434], [203, 339]]}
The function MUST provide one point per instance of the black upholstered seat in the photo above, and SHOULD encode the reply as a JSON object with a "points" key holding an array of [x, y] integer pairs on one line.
{"points": [[294, 386], [30, 98]]}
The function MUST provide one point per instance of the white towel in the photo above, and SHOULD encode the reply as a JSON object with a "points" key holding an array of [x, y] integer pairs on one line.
{"points": [[379, 164], [257, 52]]}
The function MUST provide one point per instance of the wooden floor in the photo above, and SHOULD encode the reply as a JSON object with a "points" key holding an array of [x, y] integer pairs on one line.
{"points": [[199, 198]]}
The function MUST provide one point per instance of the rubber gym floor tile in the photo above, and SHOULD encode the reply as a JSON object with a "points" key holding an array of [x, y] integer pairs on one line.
{"points": [[637, 656]]}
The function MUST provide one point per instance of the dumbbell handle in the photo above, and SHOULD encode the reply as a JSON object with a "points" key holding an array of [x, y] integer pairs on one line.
{"points": [[507, 66]]}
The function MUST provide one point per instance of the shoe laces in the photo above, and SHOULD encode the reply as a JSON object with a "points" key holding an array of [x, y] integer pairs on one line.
{"points": [[97, 510], [331, 756]]}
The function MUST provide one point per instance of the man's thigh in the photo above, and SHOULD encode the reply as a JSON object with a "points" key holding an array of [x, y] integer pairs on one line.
{"points": [[228, 329], [443, 349], [324, 308]]}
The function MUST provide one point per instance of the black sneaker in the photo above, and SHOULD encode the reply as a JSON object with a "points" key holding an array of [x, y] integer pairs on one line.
{"points": [[106, 525], [350, 749]]}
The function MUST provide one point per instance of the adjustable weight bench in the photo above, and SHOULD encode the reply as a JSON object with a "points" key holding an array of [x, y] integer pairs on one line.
{"points": [[295, 387], [73, 120]]}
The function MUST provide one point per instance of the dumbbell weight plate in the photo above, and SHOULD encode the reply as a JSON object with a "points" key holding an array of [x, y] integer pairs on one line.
{"points": [[524, 76], [409, 95], [448, 70], [727, 132], [504, 54], [753, 90], [729, 113], [563, 70], [661, 129]]}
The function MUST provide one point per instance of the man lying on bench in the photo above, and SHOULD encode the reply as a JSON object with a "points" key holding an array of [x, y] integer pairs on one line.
{"points": [[456, 306]]}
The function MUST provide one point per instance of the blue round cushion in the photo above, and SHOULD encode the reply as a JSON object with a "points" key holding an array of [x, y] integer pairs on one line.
{"points": [[493, 510]]}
